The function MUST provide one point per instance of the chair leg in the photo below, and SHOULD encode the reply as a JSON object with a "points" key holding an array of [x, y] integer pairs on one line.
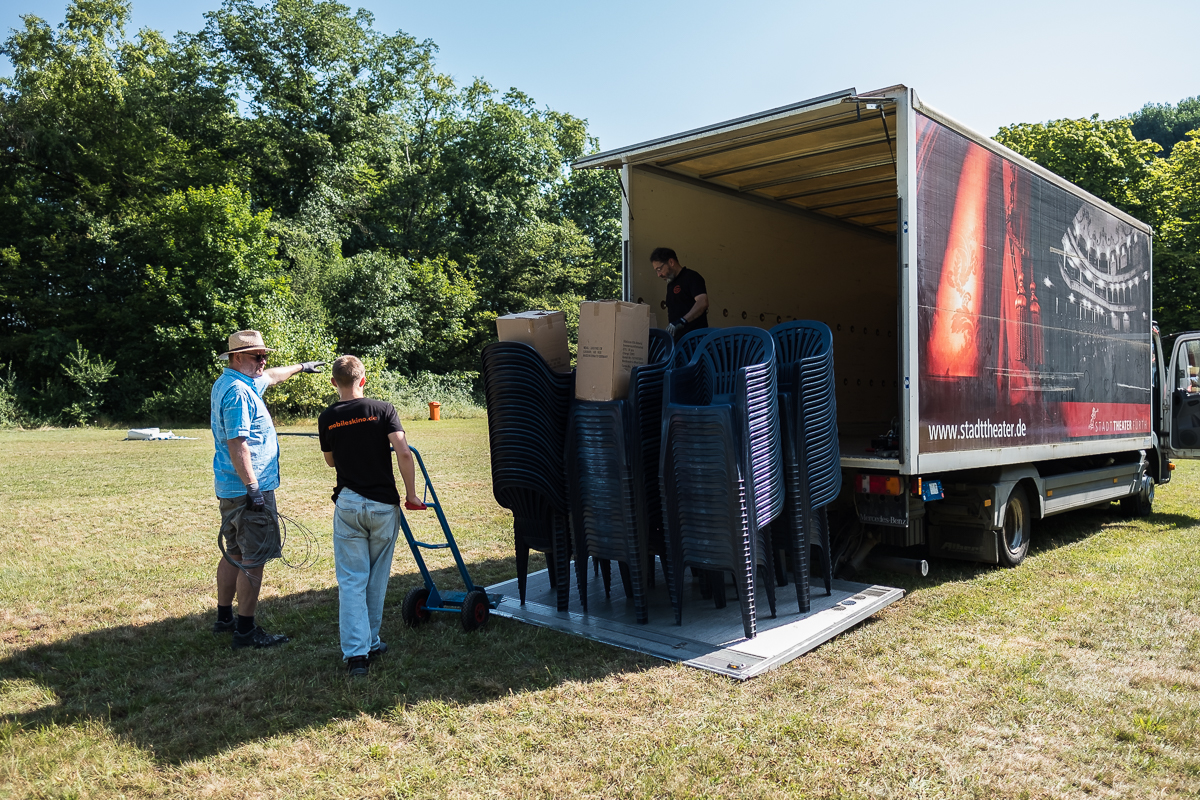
{"points": [[826, 550], [606, 574], [626, 578], [716, 585], [562, 559], [522, 566]]}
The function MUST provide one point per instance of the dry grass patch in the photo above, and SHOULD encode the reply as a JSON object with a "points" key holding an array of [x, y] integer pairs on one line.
{"points": [[1073, 676]]}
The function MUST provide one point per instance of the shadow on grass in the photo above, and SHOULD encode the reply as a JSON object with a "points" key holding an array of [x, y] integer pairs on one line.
{"points": [[174, 688], [1051, 533]]}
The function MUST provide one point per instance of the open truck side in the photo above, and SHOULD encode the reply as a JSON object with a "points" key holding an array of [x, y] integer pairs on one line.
{"points": [[995, 356]]}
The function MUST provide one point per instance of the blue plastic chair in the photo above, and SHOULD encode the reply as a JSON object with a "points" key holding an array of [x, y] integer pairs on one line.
{"points": [[612, 466], [527, 405], [721, 465], [812, 457]]}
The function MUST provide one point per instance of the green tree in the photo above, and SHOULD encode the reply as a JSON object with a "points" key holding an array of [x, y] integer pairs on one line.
{"points": [[1100, 156], [1166, 124], [412, 315], [1177, 246]]}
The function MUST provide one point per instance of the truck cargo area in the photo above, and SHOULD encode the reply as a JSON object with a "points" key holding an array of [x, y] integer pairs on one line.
{"points": [[789, 215], [710, 638]]}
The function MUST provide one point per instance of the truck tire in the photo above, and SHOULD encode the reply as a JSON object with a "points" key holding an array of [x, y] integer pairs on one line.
{"points": [[1018, 523], [1142, 503]]}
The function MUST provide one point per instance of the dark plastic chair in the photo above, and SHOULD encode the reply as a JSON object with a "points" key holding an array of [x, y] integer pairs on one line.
{"points": [[612, 465], [602, 499], [721, 465], [685, 348], [645, 417], [528, 404], [812, 457]]}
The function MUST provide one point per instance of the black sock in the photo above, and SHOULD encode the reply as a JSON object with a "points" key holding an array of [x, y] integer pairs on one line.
{"points": [[245, 624], [224, 613]]}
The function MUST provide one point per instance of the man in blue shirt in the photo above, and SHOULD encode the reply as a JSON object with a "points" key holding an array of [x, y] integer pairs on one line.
{"points": [[246, 474]]}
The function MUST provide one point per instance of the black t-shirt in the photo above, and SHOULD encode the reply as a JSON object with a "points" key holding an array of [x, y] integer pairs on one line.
{"points": [[356, 432], [681, 296]]}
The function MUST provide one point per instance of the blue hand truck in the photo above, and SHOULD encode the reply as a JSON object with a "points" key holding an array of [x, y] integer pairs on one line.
{"points": [[473, 605]]}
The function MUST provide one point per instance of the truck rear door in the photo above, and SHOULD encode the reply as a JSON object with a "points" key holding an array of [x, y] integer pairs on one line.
{"points": [[1183, 388]]}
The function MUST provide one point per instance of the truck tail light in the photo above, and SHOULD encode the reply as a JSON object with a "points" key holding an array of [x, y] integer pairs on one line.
{"points": [[880, 484]]}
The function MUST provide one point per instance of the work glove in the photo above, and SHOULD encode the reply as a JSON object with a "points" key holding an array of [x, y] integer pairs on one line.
{"points": [[255, 501], [675, 327], [312, 366]]}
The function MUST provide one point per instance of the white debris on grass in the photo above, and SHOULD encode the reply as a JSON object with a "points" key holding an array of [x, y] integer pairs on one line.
{"points": [[151, 435]]}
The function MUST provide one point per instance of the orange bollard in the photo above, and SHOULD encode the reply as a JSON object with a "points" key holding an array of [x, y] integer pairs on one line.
{"points": [[435, 410]]}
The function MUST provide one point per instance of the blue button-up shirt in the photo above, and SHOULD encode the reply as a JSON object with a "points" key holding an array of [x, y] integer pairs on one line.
{"points": [[237, 410]]}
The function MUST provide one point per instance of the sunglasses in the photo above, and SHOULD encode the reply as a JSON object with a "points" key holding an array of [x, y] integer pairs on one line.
{"points": [[261, 358]]}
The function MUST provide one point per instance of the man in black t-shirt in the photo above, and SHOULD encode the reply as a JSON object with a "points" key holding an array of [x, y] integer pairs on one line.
{"points": [[356, 435], [687, 296]]}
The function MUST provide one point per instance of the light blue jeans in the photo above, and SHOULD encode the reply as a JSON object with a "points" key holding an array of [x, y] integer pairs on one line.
{"points": [[364, 538]]}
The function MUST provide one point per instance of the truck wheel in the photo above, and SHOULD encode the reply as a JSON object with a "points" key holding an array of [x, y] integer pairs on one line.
{"points": [[1142, 503], [1014, 537]]}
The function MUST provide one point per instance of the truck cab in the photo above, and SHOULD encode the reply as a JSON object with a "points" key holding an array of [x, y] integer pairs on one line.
{"points": [[1177, 394]]}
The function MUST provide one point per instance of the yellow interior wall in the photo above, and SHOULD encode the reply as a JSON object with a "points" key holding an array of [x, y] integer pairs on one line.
{"points": [[763, 266]]}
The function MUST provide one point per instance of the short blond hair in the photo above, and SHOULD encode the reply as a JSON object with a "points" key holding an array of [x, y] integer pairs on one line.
{"points": [[347, 371]]}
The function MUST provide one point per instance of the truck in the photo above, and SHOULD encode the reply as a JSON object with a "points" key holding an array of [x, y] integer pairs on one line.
{"points": [[995, 355]]}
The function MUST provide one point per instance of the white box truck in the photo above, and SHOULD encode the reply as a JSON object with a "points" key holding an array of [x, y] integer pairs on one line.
{"points": [[995, 356]]}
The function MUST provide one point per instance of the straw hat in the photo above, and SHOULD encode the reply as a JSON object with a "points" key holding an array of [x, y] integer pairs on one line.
{"points": [[245, 342]]}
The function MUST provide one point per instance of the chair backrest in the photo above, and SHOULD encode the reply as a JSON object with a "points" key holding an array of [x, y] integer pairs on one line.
{"points": [[527, 406], [737, 366], [661, 348], [686, 347], [727, 351], [800, 340], [805, 352]]}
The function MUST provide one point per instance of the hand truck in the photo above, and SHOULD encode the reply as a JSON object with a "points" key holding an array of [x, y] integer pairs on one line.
{"points": [[472, 605]]}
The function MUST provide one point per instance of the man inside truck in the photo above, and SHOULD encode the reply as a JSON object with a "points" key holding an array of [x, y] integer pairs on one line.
{"points": [[687, 296]]}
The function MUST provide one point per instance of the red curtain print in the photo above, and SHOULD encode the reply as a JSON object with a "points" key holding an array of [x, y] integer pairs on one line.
{"points": [[953, 345]]}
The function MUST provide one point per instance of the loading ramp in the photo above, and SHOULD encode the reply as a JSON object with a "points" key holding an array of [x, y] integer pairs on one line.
{"points": [[710, 638]]}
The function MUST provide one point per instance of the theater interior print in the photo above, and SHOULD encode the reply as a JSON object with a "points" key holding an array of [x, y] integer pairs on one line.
{"points": [[1034, 306]]}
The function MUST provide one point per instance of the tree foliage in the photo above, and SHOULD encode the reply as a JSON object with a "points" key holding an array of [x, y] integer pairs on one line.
{"points": [[1107, 158], [1099, 156], [1166, 124], [287, 167]]}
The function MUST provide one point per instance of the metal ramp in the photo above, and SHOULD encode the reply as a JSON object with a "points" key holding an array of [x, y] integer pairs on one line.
{"points": [[710, 638]]}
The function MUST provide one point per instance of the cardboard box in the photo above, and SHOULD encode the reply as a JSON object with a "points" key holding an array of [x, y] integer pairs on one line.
{"points": [[544, 331], [614, 337]]}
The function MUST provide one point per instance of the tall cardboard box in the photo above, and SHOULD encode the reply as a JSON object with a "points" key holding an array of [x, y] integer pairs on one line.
{"points": [[544, 331], [614, 337]]}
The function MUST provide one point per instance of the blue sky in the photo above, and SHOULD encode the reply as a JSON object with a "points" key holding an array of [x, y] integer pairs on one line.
{"points": [[638, 70]]}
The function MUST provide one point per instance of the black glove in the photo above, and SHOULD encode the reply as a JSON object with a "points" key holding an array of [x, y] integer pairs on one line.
{"points": [[254, 498], [679, 323], [312, 366]]}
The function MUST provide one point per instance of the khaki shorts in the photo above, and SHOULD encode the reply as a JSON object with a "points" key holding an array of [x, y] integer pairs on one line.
{"points": [[250, 536]]}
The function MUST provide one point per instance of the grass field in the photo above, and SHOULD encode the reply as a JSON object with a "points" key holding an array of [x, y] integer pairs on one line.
{"points": [[1076, 675]]}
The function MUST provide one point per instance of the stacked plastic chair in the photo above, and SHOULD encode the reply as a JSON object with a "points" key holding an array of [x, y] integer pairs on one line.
{"points": [[685, 348], [611, 501], [812, 458], [721, 465], [527, 405], [646, 407]]}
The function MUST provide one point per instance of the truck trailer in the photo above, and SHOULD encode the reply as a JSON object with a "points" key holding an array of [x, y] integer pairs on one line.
{"points": [[995, 355]]}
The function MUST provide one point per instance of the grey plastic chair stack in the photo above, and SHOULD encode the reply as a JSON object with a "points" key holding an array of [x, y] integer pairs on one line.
{"points": [[527, 405], [721, 465], [611, 502], [812, 457], [602, 498], [646, 407]]}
